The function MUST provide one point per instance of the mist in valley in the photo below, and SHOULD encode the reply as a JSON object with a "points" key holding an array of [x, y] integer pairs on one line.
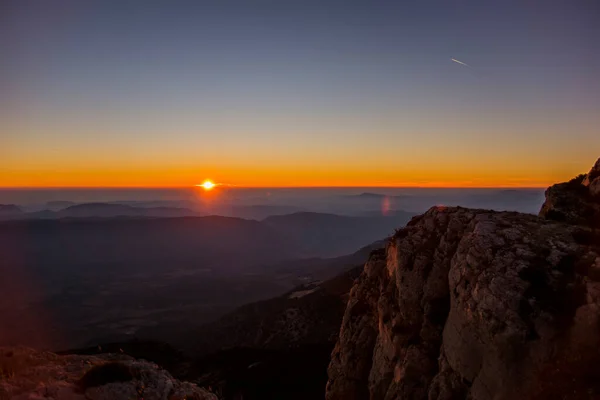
{"points": [[83, 267]]}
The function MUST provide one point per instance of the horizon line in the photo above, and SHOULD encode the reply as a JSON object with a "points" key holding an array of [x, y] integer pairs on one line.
{"points": [[271, 187]]}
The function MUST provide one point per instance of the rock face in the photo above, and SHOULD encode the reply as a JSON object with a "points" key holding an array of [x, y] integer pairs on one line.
{"points": [[592, 179], [29, 374], [576, 201], [476, 304]]}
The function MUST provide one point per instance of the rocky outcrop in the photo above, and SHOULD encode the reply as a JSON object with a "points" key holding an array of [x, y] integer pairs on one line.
{"points": [[29, 374], [476, 304], [576, 201], [592, 180]]}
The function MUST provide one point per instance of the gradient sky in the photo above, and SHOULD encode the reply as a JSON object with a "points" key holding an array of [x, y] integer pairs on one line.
{"points": [[294, 93]]}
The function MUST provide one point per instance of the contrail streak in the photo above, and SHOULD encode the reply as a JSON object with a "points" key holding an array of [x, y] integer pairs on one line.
{"points": [[460, 62]]}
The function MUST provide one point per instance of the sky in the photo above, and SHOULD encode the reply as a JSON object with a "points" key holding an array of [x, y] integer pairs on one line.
{"points": [[298, 93]]}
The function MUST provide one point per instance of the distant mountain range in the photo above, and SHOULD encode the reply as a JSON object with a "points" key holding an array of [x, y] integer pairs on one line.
{"points": [[523, 200], [9, 210], [154, 209], [93, 210], [150, 271]]}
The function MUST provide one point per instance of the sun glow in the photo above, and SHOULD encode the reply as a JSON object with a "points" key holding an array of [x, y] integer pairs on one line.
{"points": [[207, 185]]}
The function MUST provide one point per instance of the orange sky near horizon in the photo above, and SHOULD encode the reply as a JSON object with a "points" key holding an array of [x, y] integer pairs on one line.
{"points": [[305, 161], [352, 176]]}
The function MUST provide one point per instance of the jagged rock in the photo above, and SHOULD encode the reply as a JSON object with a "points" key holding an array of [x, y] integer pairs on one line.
{"points": [[29, 374], [576, 201], [593, 174], [476, 304], [592, 180]]}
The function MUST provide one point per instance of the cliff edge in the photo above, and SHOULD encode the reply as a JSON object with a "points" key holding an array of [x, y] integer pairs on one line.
{"points": [[577, 201], [476, 304]]}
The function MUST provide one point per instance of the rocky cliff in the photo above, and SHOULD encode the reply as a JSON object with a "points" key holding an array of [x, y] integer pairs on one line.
{"points": [[29, 374], [575, 202], [476, 304]]}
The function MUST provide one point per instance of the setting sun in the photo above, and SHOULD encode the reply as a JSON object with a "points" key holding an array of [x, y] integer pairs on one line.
{"points": [[207, 185]]}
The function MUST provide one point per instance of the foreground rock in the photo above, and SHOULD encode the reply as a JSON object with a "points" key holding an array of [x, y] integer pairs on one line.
{"points": [[29, 374], [475, 304]]}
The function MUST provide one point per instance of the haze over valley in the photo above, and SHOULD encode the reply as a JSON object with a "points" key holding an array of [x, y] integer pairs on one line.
{"points": [[102, 266]]}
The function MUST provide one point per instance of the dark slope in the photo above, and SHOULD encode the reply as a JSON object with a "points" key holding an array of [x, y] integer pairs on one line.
{"points": [[288, 276], [306, 270], [309, 314], [274, 349]]}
